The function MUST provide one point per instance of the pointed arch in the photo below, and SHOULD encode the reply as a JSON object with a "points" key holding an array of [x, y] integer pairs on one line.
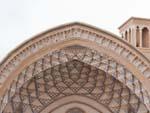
{"points": [[69, 35], [77, 99]]}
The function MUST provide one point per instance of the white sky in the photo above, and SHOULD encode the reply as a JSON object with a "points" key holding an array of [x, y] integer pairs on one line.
{"points": [[21, 19]]}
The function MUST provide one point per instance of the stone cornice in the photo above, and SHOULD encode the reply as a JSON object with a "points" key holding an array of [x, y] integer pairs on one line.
{"points": [[61, 33]]}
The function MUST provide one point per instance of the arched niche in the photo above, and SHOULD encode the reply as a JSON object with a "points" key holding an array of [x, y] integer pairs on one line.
{"points": [[83, 35], [129, 36], [137, 37], [145, 37], [126, 35]]}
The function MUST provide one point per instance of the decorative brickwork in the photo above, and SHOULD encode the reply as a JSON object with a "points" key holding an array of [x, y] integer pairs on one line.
{"points": [[70, 45]]}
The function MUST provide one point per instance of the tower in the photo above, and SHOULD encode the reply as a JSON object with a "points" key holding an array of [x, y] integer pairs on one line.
{"points": [[136, 31]]}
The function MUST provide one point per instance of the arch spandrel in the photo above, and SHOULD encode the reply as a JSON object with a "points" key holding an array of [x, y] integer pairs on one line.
{"points": [[75, 34]]}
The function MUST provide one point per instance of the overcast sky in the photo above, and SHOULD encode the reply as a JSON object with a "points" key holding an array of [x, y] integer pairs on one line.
{"points": [[21, 19]]}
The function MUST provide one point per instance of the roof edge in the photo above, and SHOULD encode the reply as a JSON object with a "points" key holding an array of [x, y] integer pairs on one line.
{"points": [[51, 30]]}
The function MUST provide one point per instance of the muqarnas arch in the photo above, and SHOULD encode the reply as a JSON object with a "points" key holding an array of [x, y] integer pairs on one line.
{"points": [[79, 53]]}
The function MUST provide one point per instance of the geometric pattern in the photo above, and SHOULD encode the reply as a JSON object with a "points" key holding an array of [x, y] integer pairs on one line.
{"points": [[74, 78], [70, 32], [82, 54]]}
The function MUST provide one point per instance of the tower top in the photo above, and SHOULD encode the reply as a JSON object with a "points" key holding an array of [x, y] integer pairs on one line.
{"points": [[135, 21], [136, 31]]}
